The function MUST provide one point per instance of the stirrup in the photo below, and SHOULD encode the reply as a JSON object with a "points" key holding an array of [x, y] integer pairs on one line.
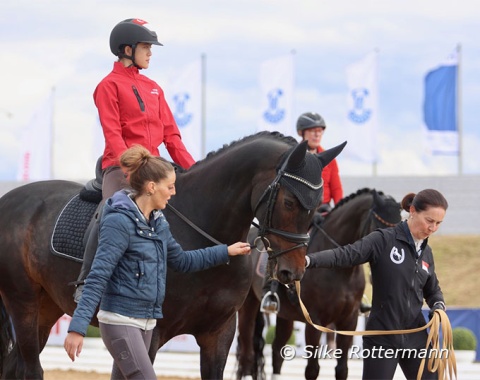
{"points": [[76, 283], [270, 303], [78, 293]]}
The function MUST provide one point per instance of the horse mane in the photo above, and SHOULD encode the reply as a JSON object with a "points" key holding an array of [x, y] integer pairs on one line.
{"points": [[348, 198], [274, 135]]}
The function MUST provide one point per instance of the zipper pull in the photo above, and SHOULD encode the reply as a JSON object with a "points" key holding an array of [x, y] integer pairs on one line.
{"points": [[139, 99]]}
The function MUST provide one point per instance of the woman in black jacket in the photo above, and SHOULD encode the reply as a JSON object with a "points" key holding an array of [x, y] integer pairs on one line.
{"points": [[403, 276]]}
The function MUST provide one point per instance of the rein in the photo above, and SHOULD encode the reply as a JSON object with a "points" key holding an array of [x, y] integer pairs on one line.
{"points": [[213, 240], [191, 224], [438, 322]]}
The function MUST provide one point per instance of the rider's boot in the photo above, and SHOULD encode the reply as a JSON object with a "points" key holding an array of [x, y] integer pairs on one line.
{"points": [[270, 301], [88, 255]]}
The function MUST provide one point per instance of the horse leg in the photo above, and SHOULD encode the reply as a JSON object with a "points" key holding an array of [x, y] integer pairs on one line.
{"points": [[214, 349], [283, 331], [48, 315], [312, 340], [250, 329], [24, 315], [33, 314]]}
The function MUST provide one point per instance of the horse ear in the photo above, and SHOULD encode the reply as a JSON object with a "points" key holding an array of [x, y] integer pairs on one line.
{"points": [[327, 156], [297, 157], [377, 199]]}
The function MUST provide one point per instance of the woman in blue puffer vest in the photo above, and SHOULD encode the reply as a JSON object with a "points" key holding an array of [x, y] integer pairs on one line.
{"points": [[129, 271]]}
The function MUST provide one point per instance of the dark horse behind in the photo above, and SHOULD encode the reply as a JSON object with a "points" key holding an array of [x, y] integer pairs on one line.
{"points": [[221, 195], [331, 295]]}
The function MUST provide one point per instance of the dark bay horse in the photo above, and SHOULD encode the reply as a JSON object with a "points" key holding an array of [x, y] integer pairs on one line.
{"points": [[331, 295], [220, 195]]}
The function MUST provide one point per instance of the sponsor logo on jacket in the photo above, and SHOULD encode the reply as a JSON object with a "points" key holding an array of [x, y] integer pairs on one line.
{"points": [[397, 256]]}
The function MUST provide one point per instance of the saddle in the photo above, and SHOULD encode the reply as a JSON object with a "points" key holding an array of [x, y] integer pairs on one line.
{"points": [[93, 188], [76, 219]]}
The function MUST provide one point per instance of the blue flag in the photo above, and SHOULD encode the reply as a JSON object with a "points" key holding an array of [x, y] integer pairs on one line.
{"points": [[440, 108], [440, 99]]}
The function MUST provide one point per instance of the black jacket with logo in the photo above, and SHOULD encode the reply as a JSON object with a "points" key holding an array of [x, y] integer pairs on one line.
{"points": [[400, 279]]}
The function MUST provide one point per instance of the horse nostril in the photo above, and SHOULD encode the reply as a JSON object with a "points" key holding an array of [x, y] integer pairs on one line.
{"points": [[289, 277]]}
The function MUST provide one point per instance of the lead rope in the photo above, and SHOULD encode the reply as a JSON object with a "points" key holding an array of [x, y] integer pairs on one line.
{"points": [[444, 364]]}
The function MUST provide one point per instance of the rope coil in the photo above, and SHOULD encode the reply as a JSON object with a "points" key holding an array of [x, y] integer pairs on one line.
{"points": [[445, 366]]}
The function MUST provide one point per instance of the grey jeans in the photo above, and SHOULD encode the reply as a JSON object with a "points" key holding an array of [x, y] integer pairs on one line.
{"points": [[129, 348]]}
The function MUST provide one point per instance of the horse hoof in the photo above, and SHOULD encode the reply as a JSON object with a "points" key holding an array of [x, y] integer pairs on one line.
{"points": [[364, 308]]}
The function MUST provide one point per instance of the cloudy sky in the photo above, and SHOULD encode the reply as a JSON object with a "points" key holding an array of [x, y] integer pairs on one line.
{"points": [[64, 44]]}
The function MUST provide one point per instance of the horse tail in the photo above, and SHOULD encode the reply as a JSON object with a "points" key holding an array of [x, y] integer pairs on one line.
{"points": [[7, 338], [258, 345]]}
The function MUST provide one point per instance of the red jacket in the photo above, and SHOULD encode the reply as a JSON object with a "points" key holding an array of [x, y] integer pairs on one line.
{"points": [[133, 110], [332, 186]]}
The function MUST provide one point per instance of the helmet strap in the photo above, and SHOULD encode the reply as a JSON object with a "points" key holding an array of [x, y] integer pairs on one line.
{"points": [[130, 57]]}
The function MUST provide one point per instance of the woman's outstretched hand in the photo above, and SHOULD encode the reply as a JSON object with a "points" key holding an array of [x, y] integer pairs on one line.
{"points": [[239, 248]]}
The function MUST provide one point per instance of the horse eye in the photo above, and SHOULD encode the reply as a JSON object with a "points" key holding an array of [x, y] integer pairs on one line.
{"points": [[288, 204]]}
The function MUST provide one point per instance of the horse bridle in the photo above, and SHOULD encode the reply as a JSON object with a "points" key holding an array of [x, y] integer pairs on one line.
{"points": [[266, 227], [365, 225]]}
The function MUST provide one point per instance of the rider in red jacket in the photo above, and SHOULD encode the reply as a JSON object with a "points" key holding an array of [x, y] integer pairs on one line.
{"points": [[311, 127], [132, 111]]}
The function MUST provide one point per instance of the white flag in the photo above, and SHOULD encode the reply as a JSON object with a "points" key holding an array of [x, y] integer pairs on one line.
{"points": [[184, 96], [36, 149], [277, 84], [362, 114]]}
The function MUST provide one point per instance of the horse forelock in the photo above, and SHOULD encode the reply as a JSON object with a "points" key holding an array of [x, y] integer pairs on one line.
{"points": [[389, 210]]}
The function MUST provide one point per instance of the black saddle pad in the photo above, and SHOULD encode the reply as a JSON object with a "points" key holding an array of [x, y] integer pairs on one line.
{"points": [[68, 234]]}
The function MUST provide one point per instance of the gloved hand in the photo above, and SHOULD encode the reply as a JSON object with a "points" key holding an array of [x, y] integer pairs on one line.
{"points": [[437, 305], [307, 261]]}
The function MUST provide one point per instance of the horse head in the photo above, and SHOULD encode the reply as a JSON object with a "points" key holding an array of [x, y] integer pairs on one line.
{"points": [[385, 209], [289, 203]]}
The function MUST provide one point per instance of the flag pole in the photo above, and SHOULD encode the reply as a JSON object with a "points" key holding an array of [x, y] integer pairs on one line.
{"points": [[203, 102], [375, 160], [459, 113], [52, 135]]}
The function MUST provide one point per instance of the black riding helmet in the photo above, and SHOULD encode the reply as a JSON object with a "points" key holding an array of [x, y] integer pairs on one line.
{"points": [[309, 120], [131, 32]]}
